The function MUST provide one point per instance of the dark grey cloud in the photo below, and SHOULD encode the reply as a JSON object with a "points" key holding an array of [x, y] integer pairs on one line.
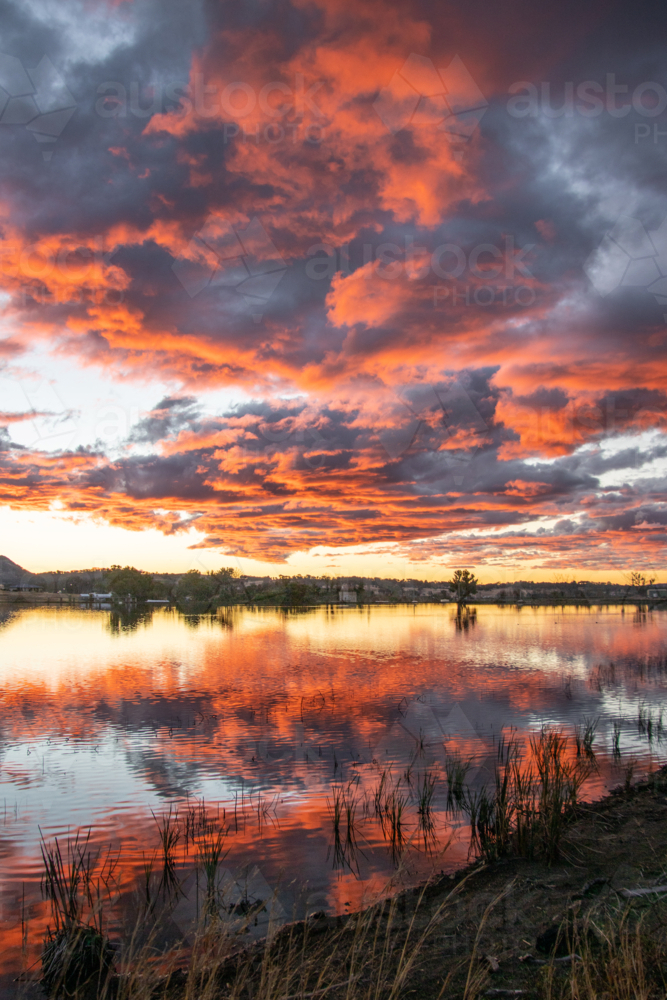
{"points": [[170, 416]]}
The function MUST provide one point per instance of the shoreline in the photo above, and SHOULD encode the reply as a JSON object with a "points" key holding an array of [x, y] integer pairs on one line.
{"points": [[75, 601]]}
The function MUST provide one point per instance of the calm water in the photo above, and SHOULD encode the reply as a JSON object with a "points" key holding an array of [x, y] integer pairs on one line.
{"points": [[269, 716]]}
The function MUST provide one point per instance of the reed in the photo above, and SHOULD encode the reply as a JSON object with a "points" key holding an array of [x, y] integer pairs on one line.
{"points": [[392, 819], [526, 812], [169, 835], [456, 770], [559, 783], [426, 793], [378, 797], [211, 852], [343, 812], [77, 957], [584, 737], [618, 729]]}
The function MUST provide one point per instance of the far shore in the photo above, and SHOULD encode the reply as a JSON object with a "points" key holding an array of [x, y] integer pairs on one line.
{"points": [[78, 601]]}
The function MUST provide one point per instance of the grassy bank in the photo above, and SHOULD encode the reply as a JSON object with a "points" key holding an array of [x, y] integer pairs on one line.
{"points": [[561, 898]]}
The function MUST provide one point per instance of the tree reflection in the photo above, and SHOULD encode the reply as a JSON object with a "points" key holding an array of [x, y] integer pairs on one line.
{"points": [[128, 619], [195, 617], [295, 611], [465, 618]]}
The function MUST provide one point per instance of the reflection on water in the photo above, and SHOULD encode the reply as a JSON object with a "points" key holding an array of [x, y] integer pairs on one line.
{"points": [[465, 618], [320, 739], [127, 620]]}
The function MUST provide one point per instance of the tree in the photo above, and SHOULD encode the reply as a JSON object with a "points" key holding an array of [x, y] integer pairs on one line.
{"points": [[227, 591], [130, 582], [640, 581], [297, 591], [74, 584], [463, 584], [195, 586]]}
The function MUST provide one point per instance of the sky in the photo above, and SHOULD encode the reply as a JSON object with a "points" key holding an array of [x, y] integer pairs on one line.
{"points": [[318, 287]]}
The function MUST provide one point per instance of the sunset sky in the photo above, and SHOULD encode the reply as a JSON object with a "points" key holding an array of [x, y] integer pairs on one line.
{"points": [[331, 287]]}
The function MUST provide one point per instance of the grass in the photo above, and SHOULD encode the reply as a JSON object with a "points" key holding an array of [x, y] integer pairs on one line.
{"points": [[211, 852], [426, 786], [77, 957], [523, 811], [169, 833], [584, 737], [620, 961], [381, 954], [392, 819], [343, 811], [526, 812], [374, 955], [456, 770]]}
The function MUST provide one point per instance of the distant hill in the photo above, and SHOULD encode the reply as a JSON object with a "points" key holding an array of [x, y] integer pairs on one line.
{"points": [[12, 574]]}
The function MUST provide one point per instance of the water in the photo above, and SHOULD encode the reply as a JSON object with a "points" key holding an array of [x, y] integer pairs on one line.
{"points": [[272, 718]]}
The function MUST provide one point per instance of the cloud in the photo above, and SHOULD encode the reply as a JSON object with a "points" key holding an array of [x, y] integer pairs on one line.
{"points": [[433, 359]]}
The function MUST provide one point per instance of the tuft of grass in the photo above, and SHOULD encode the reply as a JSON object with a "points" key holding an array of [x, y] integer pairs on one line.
{"points": [[392, 819], [343, 811], [525, 814], [211, 852], [76, 956], [584, 737], [169, 835], [456, 770], [425, 794], [618, 729]]}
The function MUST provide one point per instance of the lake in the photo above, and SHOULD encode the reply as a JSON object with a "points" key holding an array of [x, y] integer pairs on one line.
{"points": [[275, 724]]}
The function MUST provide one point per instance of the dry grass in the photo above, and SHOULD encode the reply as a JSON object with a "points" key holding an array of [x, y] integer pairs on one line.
{"points": [[619, 962]]}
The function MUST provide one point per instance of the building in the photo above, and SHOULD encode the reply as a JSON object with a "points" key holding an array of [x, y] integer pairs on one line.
{"points": [[657, 593], [23, 587]]}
